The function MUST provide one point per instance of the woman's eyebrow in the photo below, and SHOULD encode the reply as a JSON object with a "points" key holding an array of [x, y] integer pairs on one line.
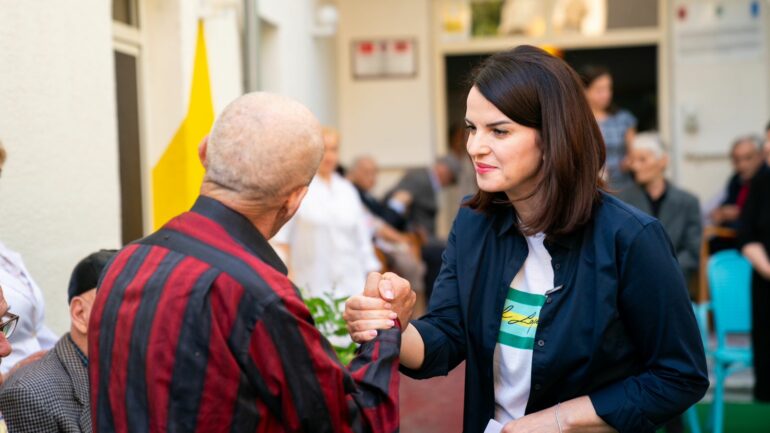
{"points": [[498, 123]]}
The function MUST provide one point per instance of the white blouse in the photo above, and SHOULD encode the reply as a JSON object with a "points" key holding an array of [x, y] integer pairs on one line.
{"points": [[25, 300], [330, 244]]}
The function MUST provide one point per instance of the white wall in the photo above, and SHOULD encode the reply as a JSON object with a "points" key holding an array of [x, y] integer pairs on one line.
{"points": [[391, 119], [59, 188], [293, 61]]}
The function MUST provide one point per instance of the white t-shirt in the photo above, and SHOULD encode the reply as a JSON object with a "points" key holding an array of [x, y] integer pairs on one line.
{"points": [[330, 243], [513, 352]]}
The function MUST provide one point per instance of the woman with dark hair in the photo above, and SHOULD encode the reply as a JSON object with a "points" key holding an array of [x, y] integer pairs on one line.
{"points": [[567, 305], [618, 126]]}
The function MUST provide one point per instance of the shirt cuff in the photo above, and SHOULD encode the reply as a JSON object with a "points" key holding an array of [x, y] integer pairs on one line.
{"points": [[397, 206], [613, 406]]}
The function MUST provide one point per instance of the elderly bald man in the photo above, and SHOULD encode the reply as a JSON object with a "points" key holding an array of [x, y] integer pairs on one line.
{"points": [[197, 328]]}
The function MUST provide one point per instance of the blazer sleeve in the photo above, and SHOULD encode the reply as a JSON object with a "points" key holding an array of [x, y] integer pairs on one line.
{"points": [[656, 311], [689, 250], [442, 329], [26, 411]]}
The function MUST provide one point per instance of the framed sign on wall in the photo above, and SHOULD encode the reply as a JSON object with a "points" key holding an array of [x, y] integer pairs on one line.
{"points": [[384, 58]]}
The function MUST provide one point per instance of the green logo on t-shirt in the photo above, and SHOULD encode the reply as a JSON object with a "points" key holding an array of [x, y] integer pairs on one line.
{"points": [[521, 314]]}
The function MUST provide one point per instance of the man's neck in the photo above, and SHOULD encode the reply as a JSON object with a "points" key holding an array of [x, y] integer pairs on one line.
{"points": [[262, 219], [656, 188], [80, 340]]}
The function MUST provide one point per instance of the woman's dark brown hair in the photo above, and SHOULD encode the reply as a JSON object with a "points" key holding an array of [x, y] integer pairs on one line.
{"points": [[538, 90]]}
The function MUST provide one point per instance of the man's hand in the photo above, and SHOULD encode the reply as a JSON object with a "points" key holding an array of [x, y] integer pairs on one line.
{"points": [[400, 293], [386, 298]]}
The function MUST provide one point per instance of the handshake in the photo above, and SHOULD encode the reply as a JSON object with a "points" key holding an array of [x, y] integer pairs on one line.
{"points": [[386, 298]]}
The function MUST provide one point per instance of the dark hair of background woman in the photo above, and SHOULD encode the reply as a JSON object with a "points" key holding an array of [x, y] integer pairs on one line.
{"points": [[538, 90]]}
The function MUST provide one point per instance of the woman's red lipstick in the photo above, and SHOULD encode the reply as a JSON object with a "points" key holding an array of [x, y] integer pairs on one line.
{"points": [[482, 168]]}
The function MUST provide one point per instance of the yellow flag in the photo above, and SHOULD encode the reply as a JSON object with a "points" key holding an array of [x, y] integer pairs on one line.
{"points": [[176, 179]]}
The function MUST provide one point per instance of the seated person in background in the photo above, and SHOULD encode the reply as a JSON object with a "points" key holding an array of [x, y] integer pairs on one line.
{"points": [[25, 297], [363, 175], [52, 395], [746, 156], [677, 210], [327, 244], [416, 196], [5, 346], [395, 245], [747, 160]]}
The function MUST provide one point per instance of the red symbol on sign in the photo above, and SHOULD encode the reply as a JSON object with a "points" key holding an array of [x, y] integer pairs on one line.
{"points": [[402, 46], [366, 48], [682, 13]]}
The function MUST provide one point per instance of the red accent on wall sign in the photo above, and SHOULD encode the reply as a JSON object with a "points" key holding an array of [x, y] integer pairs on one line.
{"points": [[402, 46], [682, 13], [366, 48]]}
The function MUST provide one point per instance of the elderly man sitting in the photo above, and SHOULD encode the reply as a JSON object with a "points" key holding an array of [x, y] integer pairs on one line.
{"points": [[677, 210], [51, 395], [197, 327]]}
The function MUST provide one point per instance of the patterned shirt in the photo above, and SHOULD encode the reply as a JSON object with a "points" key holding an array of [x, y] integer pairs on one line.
{"points": [[614, 128], [197, 329]]}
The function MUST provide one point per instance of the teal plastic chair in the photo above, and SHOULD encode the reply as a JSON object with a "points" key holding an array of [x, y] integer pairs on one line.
{"points": [[729, 276]]}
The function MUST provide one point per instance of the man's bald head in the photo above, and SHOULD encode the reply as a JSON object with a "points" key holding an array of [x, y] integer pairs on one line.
{"points": [[363, 172], [263, 146]]}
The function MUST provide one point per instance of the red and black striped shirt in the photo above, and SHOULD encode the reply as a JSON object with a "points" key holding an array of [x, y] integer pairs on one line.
{"points": [[196, 328]]}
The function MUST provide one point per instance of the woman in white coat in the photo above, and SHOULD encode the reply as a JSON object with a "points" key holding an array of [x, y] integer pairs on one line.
{"points": [[26, 301]]}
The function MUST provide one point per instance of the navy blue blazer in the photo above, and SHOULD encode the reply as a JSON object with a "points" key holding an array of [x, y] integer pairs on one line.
{"points": [[619, 326]]}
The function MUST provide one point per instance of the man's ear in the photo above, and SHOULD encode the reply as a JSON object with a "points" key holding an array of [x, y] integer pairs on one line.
{"points": [[202, 149], [295, 199], [79, 315], [664, 161]]}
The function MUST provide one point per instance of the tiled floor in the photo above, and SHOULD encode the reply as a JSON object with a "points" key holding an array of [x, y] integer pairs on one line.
{"points": [[433, 405]]}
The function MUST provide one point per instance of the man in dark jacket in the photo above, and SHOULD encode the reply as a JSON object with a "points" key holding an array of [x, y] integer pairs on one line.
{"points": [[677, 210], [51, 395]]}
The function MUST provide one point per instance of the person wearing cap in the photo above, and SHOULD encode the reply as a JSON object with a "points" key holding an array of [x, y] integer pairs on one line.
{"points": [[52, 395]]}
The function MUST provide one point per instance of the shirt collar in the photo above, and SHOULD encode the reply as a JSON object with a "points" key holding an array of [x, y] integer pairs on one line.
{"points": [[504, 222], [81, 355], [241, 229]]}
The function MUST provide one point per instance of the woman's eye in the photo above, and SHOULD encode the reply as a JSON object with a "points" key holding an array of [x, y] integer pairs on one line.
{"points": [[499, 132], [470, 128]]}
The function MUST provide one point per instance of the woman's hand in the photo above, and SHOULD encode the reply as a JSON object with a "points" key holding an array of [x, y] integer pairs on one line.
{"points": [[540, 422], [576, 415]]}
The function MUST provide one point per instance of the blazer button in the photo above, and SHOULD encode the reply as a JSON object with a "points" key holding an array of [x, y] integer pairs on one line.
{"points": [[540, 343], [548, 300], [557, 266], [537, 387]]}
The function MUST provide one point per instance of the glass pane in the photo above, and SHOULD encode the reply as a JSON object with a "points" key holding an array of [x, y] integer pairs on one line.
{"points": [[129, 147], [124, 11]]}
